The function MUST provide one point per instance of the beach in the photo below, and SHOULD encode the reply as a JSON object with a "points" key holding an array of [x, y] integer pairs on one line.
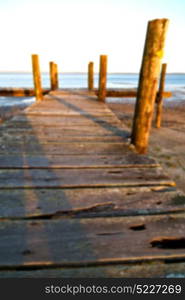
{"points": [[167, 143], [13, 106]]}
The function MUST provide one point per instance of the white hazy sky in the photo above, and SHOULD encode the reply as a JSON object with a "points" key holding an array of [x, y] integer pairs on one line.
{"points": [[73, 32]]}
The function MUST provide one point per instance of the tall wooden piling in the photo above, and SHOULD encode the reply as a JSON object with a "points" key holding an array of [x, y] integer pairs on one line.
{"points": [[56, 76], [102, 78], [53, 75], [37, 77], [159, 99], [147, 89], [90, 76]]}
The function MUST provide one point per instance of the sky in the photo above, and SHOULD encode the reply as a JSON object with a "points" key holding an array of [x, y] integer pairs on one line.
{"points": [[74, 32]]}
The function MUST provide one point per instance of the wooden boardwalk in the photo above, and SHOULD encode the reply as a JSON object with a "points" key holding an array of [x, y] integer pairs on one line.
{"points": [[77, 201]]}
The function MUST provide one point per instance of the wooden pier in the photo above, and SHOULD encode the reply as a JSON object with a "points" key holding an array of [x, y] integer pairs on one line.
{"points": [[78, 201]]}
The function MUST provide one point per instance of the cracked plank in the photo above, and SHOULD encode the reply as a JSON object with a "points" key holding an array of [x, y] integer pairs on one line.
{"points": [[89, 202], [70, 242], [38, 178]]}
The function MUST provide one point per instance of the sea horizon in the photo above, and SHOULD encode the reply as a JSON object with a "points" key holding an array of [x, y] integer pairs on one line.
{"points": [[175, 82]]}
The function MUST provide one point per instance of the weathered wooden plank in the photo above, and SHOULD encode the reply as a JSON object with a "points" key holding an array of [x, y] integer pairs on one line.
{"points": [[82, 177], [72, 100], [69, 102], [65, 106], [67, 132], [159, 102], [89, 202], [110, 92], [62, 123], [78, 161], [63, 119], [158, 270], [155, 269], [60, 111], [71, 120], [66, 148], [102, 78], [83, 241], [61, 139], [52, 114], [19, 92], [37, 77], [128, 93], [68, 113], [90, 110], [49, 203]]}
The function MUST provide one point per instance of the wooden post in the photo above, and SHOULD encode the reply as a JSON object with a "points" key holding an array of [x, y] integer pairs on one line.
{"points": [[56, 76], [102, 78], [53, 76], [90, 76], [146, 94], [159, 99], [37, 77]]}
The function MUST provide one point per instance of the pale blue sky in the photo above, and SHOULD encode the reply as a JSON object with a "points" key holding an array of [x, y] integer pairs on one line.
{"points": [[73, 32]]}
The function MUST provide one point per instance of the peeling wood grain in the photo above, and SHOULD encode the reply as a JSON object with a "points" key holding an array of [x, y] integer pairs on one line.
{"points": [[67, 174], [19, 178], [64, 149], [82, 242], [70, 130], [154, 269], [130, 160], [49, 203]]}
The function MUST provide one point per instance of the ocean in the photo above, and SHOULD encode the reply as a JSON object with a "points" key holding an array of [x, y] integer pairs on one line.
{"points": [[174, 83]]}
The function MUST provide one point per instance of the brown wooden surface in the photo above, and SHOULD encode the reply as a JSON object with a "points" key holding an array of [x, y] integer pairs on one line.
{"points": [[102, 78], [147, 89], [156, 269], [53, 75], [54, 132], [37, 77], [83, 177], [65, 120], [124, 93], [64, 139], [19, 92], [28, 92], [130, 160], [83, 241], [89, 202], [36, 147], [71, 187], [90, 76]]}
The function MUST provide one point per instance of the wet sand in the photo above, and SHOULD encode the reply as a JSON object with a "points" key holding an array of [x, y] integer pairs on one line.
{"points": [[166, 144]]}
